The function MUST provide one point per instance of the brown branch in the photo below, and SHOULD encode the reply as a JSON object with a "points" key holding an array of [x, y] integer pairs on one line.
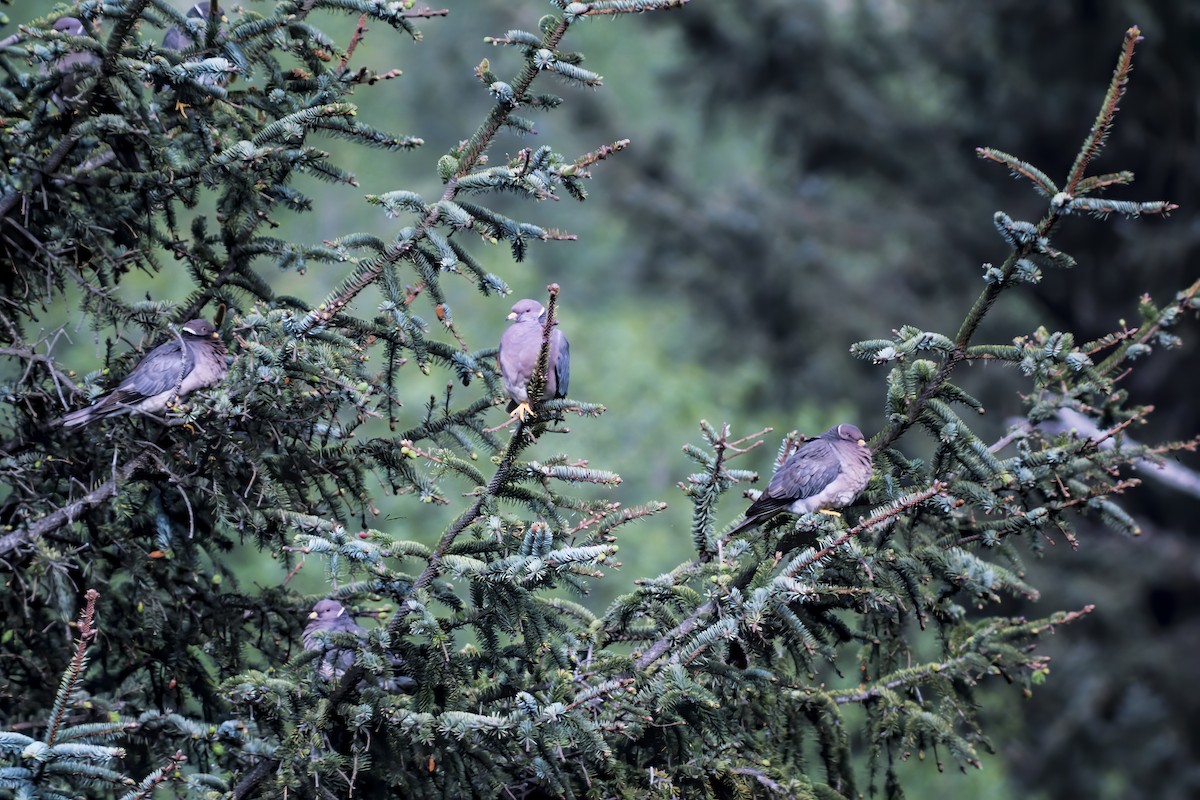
{"points": [[426, 13], [579, 167], [70, 512], [1108, 111], [75, 671], [354, 40], [248, 786]]}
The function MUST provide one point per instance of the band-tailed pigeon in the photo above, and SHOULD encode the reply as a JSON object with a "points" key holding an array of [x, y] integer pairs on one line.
{"points": [[332, 616], [176, 39], [824, 473], [73, 67], [163, 375], [519, 349], [70, 99]]}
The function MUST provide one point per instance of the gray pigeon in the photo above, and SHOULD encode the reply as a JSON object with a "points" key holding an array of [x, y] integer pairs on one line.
{"points": [[70, 99], [176, 39], [331, 616], [73, 67], [824, 473], [162, 376], [518, 356]]}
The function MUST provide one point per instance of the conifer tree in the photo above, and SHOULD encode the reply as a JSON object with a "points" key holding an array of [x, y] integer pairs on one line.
{"points": [[804, 659]]}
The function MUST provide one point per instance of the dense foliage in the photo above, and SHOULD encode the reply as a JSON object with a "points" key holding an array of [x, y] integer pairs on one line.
{"points": [[805, 659]]}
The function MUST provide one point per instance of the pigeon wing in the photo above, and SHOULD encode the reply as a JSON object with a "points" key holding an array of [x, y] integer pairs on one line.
{"points": [[804, 474], [560, 351]]}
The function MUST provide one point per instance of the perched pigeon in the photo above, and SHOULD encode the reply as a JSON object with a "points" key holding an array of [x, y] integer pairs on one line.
{"points": [[331, 616], [176, 39], [518, 356], [162, 376], [73, 67], [824, 473], [70, 99]]}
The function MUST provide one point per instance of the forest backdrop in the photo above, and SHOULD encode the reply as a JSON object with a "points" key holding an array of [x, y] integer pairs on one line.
{"points": [[849, 131]]}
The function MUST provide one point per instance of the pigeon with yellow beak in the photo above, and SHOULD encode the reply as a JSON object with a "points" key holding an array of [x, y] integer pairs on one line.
{"points": [[519, 349]]}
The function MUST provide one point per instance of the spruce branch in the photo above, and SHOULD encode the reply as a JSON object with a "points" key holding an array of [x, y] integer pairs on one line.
{"points": [[466, 160], [69, 513], [1170, 473], [74, 673], [516, 443], [49, 167], [1154, 320], [882, 516], [608, 7], [1098, 134], [994, 633], [248, 786], [1024, 169], [537, 381], [701, 613], [1027, 241], [167, 772]]}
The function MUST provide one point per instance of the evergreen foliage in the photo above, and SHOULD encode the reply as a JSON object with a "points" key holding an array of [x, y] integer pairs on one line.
{"points": [[765, 665]]}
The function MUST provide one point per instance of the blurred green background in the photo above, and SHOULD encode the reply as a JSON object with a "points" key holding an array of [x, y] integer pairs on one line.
{"points": [[801, 175]]}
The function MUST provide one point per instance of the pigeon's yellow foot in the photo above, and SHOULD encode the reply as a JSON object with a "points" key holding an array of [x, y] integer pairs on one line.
{"points": [[182, 107], [829, 511], [522, 411]]}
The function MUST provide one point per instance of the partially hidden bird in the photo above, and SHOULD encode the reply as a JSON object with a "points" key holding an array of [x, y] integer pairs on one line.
{"points": [[518, 356], [176, 39], [71, 99], [192, 360], [331, 616], [827, 472], [73, 67]]}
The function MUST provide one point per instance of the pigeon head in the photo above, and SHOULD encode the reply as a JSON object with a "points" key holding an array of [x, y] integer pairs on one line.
{"points": [[203, 10], [200, 328], [849, 433], [527, 311], [326, 610], [69, 26]]}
